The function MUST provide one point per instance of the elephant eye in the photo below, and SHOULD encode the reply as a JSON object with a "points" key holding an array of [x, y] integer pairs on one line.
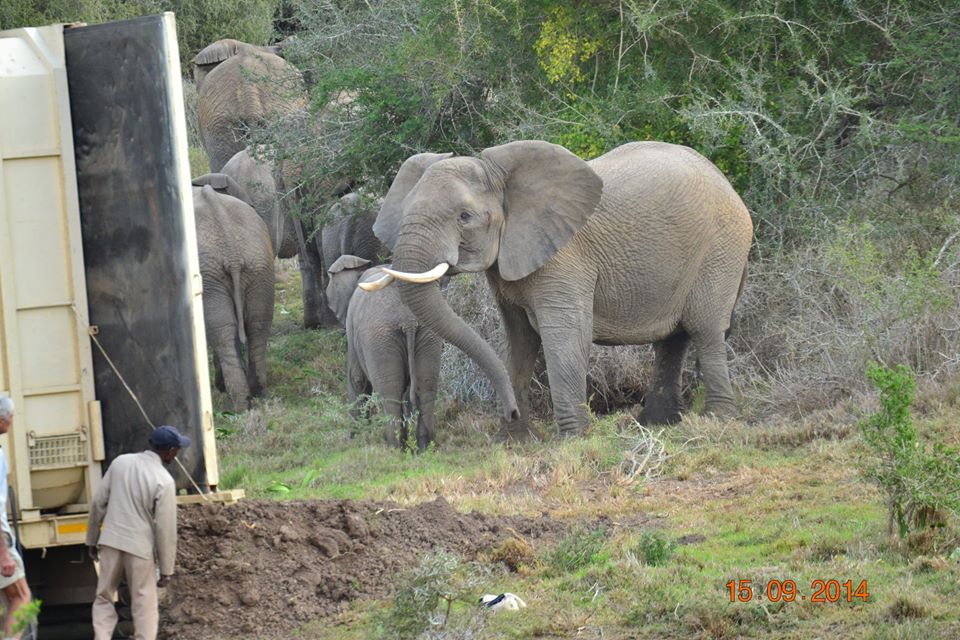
{"points": [[465, 216]]}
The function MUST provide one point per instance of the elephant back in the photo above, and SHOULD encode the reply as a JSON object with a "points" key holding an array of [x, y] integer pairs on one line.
{"points": [[257, 178], [349, 231], [230, 234], [247, 90], [378, 311], [213, 54]]}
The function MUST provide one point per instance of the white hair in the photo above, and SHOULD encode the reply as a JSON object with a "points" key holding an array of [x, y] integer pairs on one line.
{"points": [[6, 407]]}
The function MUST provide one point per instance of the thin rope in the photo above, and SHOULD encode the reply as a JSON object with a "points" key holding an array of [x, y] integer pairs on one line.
{"points": [[136, 400]]}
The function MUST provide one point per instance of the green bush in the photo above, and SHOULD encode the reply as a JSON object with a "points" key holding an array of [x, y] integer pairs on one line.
{"points": [[654, 549], [428, 593], [579, 549], [920, 483]]}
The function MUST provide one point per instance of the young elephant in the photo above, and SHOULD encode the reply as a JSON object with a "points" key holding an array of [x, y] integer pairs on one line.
{"points": [[388, 352], [236, 264]]}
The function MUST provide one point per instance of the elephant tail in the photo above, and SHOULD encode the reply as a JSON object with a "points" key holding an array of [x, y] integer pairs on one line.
{"points": [[238, 304], [733, 312]]}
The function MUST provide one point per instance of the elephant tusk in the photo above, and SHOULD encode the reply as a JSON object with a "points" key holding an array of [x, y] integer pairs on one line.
{"points": [[427, 276], [376, 285]]}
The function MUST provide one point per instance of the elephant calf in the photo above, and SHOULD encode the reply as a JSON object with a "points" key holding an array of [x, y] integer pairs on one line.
{"points": [[388, 351], [236, 264]]}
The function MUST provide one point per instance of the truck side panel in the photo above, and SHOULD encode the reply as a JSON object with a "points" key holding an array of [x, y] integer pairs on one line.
{"points": [[45, 360], [139, 239]]}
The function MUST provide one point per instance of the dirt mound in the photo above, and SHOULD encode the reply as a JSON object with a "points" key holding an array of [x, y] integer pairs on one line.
{"points": [[260, 569]]}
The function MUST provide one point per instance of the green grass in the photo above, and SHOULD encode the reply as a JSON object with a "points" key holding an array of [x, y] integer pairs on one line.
{"points": [[734, 502]]}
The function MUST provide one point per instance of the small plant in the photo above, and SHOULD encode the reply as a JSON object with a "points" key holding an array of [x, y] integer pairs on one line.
{"points": [[579, 549], [514, 552], [279, 488], [920, 483], [425, 599], [25, 617], [654, 548]]}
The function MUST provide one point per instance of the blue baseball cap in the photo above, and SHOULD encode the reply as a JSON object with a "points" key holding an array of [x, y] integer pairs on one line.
{"points": [[167, 437]]}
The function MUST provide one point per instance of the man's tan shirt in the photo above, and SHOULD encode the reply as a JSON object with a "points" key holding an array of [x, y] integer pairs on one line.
{"points": [[137, 504]]}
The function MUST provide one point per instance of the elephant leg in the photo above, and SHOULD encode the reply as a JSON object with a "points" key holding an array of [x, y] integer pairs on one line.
{"points": [[567, 335], [662, 403], [427, 362], [258, 314], [523, 348], [257, 334], [218, 375], [388, 377], [316, 312], [712, 353], [222, 337], [224, 342], [357, 383]]}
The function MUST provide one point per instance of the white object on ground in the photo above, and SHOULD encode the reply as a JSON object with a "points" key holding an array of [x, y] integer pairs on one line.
{"points": [[507, 600]]}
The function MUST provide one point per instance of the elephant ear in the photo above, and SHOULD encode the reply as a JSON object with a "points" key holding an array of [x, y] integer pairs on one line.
{"points": [[390, 218], [549, 194], [347, 262], [222, 183]]}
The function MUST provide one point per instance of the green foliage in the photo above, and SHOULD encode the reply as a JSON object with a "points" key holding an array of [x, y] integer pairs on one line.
{"points": [[579, 549], [25, 616], [427, 595], [654, 549], [920, 483], [566, 41], [908, 282], [801, 105], [199, 22]]}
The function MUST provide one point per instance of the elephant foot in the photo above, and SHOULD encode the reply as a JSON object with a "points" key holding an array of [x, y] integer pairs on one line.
{"points": [[320, 323], [723, 410], [237, 406], [395, 435], [654, 414], [319, 318]]}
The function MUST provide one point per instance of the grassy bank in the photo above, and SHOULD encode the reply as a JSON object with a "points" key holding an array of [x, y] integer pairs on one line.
{"points": [[645, 557]]}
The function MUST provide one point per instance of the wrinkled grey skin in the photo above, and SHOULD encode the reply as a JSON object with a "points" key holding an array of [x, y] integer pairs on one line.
{"points": [[262, 186], [647, 243], [349, 231], [236, 264], [243, 90], [215, 53], [389, 352]]}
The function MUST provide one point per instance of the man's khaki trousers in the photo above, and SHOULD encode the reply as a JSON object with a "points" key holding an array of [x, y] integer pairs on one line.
{"points": [[141, 578]]}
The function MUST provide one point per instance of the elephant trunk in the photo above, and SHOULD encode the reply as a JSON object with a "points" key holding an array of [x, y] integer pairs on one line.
{"points": [[428, 305]]}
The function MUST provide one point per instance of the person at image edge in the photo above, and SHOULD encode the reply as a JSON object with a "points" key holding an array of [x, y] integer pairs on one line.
{"points": [[136, 504], [13, 580]]}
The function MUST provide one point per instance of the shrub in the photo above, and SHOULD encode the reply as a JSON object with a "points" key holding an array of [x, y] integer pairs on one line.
{"points": [[577, 550], [425, 598], [919, 482], [654, 548]]}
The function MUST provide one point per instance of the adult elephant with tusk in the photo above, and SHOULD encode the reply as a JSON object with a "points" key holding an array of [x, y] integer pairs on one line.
{"points": [[645, 244]]}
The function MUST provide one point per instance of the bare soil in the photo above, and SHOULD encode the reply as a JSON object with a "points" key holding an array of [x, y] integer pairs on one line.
{"points": [[261, 569]]}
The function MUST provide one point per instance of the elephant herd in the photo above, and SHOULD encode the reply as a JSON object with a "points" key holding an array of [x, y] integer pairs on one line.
{"points": [[645, 244]]}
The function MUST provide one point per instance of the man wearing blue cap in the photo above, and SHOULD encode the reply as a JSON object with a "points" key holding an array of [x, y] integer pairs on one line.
{"points": [[137, 505]]}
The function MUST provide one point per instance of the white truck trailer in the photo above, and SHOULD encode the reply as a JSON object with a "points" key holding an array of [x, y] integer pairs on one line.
{"points": [[101, 324]]}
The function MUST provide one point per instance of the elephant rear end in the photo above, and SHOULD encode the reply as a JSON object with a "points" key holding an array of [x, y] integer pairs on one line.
{"points": [[682, 236], [236, 264]]}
